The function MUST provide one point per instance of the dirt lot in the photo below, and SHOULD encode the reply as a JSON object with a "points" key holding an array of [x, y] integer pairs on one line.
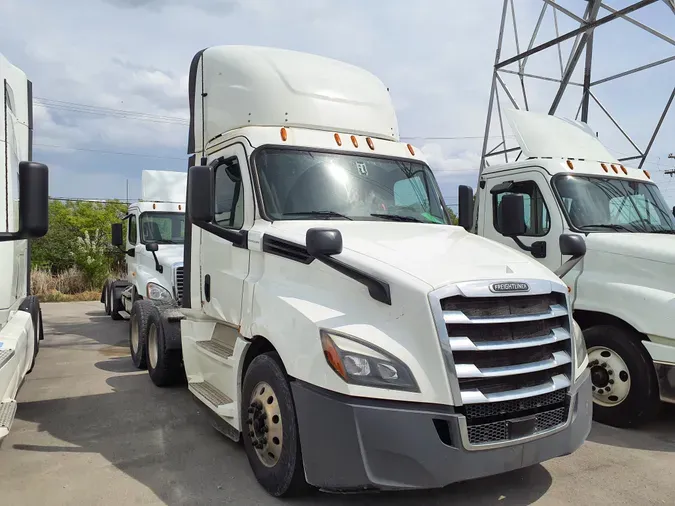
{"points": [[91, 429]]}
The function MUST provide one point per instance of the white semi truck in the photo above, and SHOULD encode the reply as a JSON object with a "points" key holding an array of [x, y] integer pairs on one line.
{"points": [[153, 247], [23, 215], [622, 291], [332, 317]]}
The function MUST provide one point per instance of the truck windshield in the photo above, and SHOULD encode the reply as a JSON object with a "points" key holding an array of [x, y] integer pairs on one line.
{"points": [[162, 228], [298, 184], [612, 204]]}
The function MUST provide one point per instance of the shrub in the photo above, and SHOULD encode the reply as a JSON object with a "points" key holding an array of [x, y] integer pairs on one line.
{"points": [[90, 256]]}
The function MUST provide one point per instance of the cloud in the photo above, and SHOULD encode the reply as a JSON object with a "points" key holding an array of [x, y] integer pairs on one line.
{"points": [[133, 55]]}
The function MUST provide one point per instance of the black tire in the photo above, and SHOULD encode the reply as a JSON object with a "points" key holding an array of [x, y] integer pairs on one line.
{"points": [[138, 322], [105, 296], [31, 305], [642, 402], [286, 478], [116, 306], [168, 369]]}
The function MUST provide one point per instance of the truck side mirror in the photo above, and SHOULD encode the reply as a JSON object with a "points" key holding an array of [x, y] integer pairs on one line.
{"points": [[200, 197], [116, 235], [674, 211], [465, 218], [33, 199], [323, 242], [572, 244], [511, 215], [151, 247]]}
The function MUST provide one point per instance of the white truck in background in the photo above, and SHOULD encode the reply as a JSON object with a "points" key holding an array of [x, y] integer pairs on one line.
{"points": [[23, 215], [153, 247], [623, 291], [332, 317]]}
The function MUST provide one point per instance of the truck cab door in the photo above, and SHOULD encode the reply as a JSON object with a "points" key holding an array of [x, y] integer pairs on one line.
{"points": [[224, 264], [132, 245], [543, 218]]}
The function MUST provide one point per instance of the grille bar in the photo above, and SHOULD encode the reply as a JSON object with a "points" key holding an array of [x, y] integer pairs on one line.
{"points": [[474, 396], [458, 317], [178, 283], [557, 359], [464, 343]]}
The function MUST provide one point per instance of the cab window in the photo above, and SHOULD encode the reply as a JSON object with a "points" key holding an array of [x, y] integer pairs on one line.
{"points": [[537, 219], [133, 230], [229, 212]]}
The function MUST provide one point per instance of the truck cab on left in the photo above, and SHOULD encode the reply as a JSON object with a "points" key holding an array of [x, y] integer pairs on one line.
{"points": [[24, 199]]}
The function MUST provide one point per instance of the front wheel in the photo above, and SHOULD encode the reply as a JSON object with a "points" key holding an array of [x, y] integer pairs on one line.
{"points": [[138, 332], [625, 387], [270, 428]]}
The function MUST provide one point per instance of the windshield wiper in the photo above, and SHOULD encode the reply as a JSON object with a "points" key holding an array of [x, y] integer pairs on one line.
{"points": [[606, 225], [396, 217], [663, 231], [326, 214]]}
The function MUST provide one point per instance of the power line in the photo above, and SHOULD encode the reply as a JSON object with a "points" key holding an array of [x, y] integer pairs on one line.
{"points": [[111, 152]]}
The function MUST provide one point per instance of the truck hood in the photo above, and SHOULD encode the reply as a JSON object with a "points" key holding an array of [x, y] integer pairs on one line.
{"points": [[169, 254], [436, 254], [653, 247]]}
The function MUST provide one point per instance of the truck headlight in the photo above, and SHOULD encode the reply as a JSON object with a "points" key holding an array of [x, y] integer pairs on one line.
{"points": [[158, 292], [361, 363], [580, 353]]}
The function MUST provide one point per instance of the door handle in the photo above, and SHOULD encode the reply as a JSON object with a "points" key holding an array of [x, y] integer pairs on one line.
{"points": [[207, 287]]}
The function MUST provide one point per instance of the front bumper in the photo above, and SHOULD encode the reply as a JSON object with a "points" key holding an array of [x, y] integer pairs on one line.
{"points": [[351, 444]]}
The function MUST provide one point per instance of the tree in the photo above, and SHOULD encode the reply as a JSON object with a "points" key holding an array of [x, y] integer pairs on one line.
{"points": [[453, 217], [70, 221]]}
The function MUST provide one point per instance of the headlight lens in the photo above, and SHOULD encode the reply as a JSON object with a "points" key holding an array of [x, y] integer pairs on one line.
{"points": [[580, 353], [361, 363], [158, 292]]}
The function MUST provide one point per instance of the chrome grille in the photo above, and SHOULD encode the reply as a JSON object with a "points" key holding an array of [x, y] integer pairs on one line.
{"points": [[178, 284], [512, 359]]}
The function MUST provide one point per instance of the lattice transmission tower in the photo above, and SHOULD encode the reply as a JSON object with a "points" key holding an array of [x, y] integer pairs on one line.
{"points": [[559, 53]]}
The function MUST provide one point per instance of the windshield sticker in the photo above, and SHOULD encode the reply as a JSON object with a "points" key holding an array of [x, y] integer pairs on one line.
{"points": [[361, 167]]}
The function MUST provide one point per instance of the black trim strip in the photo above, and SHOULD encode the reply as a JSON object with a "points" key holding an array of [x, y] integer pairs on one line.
{"points": [[238, 238], [286, 249], [378, 289], [192, 85], [187, 247]]}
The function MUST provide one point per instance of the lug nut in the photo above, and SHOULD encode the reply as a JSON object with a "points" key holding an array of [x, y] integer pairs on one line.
{"points": [[611, 382], [610, 372], [601, 391], [593, 387]]}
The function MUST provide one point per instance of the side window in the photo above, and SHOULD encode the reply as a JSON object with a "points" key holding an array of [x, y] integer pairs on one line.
{"points": [[537, 219], [229, 196], [133, 230]]}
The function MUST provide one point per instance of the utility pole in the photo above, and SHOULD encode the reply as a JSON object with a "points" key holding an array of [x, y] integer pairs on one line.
{"points": [[670, 172]]}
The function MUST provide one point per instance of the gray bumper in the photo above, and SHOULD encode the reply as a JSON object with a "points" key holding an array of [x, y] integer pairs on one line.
{"points": [[357, 444]]}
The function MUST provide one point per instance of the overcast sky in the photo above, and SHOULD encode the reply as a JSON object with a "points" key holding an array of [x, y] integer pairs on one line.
{"points": [[435, 56]]}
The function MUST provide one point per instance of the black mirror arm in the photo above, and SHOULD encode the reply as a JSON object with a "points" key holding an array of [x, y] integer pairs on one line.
{"points": [[158, 266], [567, 266], [520, 244]]}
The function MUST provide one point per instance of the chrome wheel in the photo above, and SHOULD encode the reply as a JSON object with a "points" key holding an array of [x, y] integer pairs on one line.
{"points": [[609, 375], [153, 345], [134, 334], [265, 425]]}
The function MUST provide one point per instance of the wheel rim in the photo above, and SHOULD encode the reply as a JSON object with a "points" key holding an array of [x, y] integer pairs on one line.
{"points": [[153, 351], [134, 335], [265, 426], [609, 375]]}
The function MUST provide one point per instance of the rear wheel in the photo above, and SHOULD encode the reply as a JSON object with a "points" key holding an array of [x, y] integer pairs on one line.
{"points": [[138, 332], [164, 364], [625, 386], [105, 296], [116, 306], [270, 428]]}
